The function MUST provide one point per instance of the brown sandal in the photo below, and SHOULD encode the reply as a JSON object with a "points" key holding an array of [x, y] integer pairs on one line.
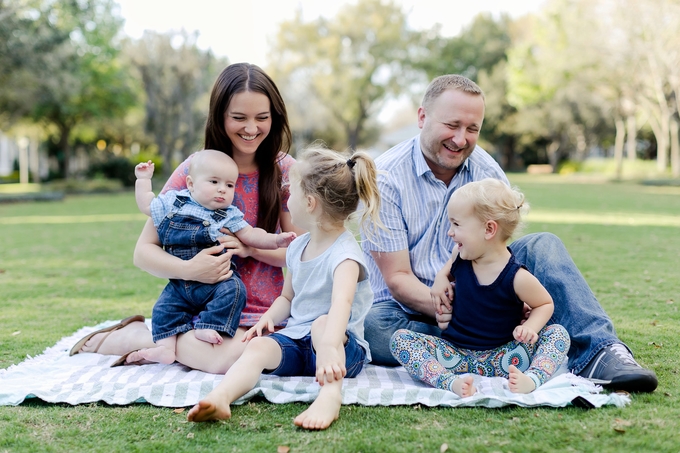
{"points": [[78, 346]]}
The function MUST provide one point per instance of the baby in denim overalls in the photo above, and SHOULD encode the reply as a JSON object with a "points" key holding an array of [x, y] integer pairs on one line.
{"points": [[189, 221]]}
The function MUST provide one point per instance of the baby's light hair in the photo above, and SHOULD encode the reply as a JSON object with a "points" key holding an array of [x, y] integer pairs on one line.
{"points": [[339, 182], [492, 199], [202, 159]]}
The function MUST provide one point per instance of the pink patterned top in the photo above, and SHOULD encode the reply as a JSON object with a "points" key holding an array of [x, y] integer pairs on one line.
{"points": [[263, 282]]}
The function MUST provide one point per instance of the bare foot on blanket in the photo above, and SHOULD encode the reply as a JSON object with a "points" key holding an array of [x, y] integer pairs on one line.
{"points": [[208, 335], [520, 382], [207, 410], [464, 386], [133, 336], [324, 410], [158, 354]]}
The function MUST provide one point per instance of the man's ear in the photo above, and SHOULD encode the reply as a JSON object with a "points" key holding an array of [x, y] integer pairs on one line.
{"points": [[490, 229], [421, 117]]}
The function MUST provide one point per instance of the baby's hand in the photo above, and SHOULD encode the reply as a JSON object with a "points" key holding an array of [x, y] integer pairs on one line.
{"points": [[144, 170], [284, 239], [524, 334]]}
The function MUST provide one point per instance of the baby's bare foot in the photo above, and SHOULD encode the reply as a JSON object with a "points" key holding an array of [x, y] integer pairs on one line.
{"points": [[464, 386], [519, 382], [208, 335], [158, 354]]}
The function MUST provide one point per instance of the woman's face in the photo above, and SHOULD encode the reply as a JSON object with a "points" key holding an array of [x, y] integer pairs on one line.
{"points": [[247, 122]]}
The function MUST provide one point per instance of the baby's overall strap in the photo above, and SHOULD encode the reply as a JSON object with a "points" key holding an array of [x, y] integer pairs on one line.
{"points": [[180, 200], [219, 215]]}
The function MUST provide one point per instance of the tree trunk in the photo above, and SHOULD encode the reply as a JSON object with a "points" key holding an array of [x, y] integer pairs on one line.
{"points": [[660, 129], [65, 149], [552, 149], [675, 148], [631, 136], [618, 146]]}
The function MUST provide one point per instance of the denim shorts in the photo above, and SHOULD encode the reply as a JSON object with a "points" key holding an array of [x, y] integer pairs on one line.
{"points": [[298, 357]]}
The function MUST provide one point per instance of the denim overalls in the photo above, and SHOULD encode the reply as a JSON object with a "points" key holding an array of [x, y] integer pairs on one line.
{"points": [[218, 305]]}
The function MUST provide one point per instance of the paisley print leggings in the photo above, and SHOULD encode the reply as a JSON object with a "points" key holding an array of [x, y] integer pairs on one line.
{"points": [[438, 363]]}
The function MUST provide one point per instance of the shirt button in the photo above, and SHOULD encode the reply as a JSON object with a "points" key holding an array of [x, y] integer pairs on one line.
{"points": [[206, 223]]}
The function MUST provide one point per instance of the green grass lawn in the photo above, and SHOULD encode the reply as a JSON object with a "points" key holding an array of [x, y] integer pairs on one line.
{"points": [[64, 265]]}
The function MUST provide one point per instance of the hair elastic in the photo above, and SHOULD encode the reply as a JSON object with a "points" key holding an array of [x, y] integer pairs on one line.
{"points": [[350, 163]]}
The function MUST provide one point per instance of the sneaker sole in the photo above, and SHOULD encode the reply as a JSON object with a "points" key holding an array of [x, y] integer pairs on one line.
{"points": [[644, 384]]}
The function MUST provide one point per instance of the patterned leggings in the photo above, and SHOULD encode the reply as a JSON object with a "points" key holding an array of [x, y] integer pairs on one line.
{"points": [[438, 363]]}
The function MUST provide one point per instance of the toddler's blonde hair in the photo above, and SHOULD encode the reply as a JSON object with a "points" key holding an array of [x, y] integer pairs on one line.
{"points": [[339, 182], [492, 199]]}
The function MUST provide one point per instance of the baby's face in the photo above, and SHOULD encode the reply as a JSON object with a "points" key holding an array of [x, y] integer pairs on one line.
{"points": [[212, 186]]}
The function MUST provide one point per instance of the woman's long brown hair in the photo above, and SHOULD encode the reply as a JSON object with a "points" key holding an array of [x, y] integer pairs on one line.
{"points": [[238, 78]]}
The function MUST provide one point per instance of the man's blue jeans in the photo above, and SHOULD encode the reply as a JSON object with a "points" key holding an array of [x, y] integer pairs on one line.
{"points": [[544, 254]]}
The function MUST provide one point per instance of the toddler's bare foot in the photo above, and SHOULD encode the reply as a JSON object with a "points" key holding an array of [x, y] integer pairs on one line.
{"points": [[208, 335], [158, 354], [207, 410], [323, 411], [464, 386], [520, 382]]}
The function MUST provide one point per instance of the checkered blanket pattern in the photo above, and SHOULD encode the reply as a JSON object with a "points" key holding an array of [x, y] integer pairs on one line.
{"points": [[55, 377]]}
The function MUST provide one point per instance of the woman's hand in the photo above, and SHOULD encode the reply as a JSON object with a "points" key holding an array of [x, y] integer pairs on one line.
{"points": [[209, 266]]}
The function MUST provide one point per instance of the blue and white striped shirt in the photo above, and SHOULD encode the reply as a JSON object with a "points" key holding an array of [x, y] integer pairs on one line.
{"points": [[413, 208]]}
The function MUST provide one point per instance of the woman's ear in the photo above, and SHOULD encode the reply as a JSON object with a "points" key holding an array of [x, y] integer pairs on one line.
{"points": [[490, 229]]}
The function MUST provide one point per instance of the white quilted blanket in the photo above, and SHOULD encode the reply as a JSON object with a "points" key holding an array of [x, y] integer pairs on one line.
{"points": [[55, 377]]}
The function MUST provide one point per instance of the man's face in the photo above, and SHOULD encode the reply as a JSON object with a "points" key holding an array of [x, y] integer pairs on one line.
{"points": [[450, 130]]}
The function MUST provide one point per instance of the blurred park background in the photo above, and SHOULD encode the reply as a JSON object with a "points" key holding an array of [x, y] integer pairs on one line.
{"points": [[574, 86]]}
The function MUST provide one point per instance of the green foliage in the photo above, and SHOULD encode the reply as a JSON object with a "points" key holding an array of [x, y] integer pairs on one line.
{"points": [[85, 186], [80, 78], [114, 167], [177, 77], [342, 69], [54, 281]]}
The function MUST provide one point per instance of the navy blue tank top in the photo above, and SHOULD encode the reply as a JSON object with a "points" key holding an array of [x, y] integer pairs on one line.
{"points": [[483, 316]]}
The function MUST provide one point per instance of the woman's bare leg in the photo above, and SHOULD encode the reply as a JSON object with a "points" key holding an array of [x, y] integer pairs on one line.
{"points": [[208, 357], [262, 353], [163, 352], [119, 342]]}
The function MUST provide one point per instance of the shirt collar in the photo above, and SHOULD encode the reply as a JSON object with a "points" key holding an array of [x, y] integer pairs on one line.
{"points": [[421, 164]]}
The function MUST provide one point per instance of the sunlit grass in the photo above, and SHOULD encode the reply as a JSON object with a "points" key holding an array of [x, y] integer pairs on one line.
{"points": [[64, 265]]}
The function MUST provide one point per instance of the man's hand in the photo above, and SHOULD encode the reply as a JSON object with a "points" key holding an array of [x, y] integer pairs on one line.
{"points": [[444, 318]]}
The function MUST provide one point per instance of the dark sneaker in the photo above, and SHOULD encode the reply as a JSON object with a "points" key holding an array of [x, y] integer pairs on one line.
{"points": [[615, 368]]}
